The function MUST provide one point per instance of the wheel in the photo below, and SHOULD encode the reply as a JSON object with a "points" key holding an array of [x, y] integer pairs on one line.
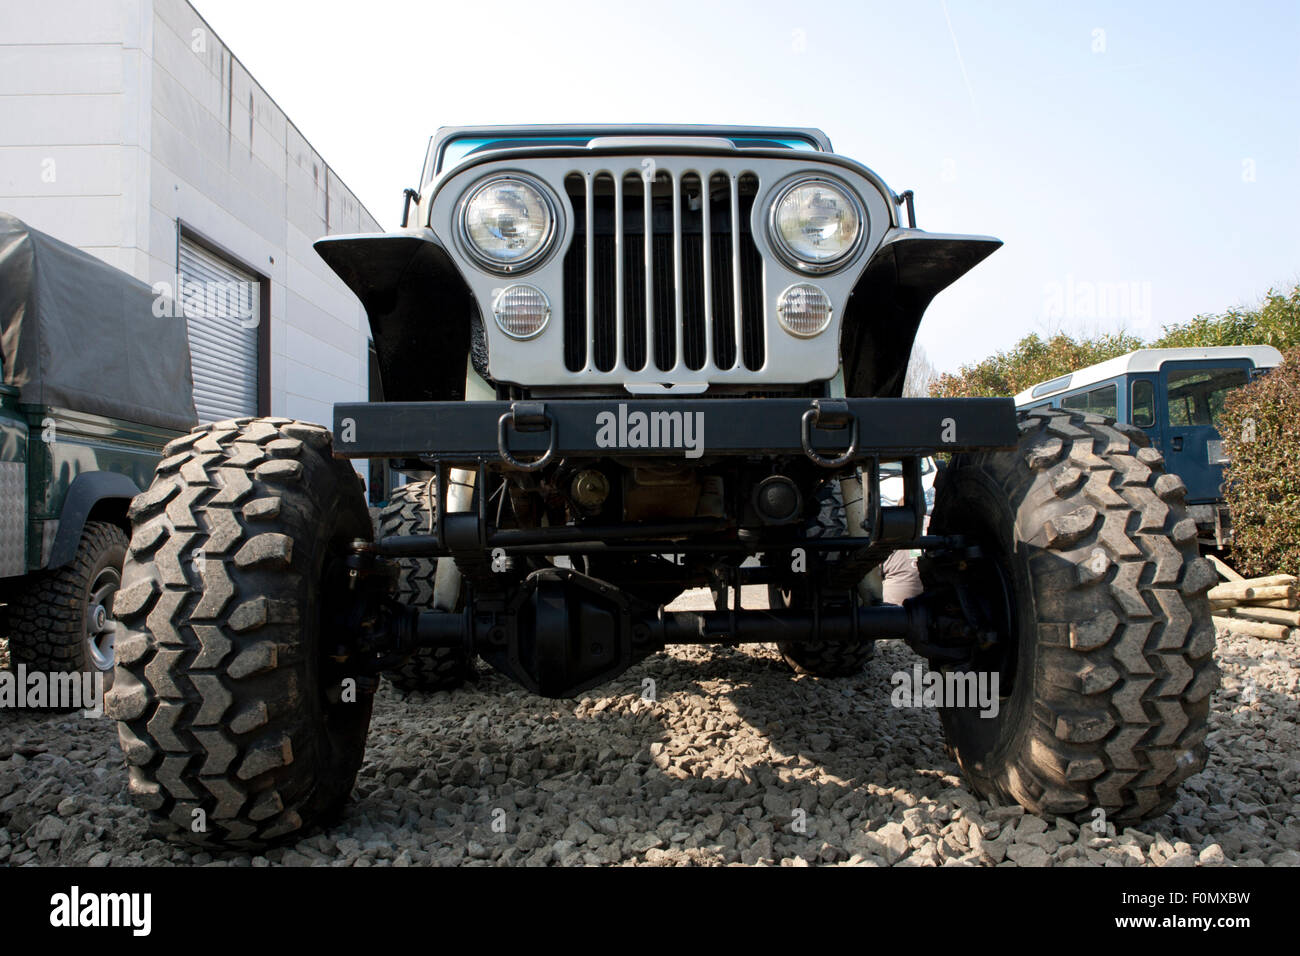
{"points": [[1105, 661], [822, 658], [238, 726], [430, 668], [62, 620]]}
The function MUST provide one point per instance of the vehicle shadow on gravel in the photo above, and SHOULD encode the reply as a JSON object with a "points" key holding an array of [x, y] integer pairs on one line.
{"points": [[735, 759], [834, 744], [847, 726]]}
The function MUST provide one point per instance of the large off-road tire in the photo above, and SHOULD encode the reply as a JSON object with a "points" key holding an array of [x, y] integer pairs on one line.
{"points": [[61, 620], [430, 668], [822, 658], [237, 725], [1107, 671]]}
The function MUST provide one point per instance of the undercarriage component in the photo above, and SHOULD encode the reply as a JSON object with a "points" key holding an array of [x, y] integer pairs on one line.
{"points": [[560, 632], [426, 582], [589, 489], [660, 492], [777, 500]]}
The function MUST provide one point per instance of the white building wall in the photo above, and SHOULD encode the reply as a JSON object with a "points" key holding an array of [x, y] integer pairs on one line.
{"points": [[121, 118], [70, 93]]}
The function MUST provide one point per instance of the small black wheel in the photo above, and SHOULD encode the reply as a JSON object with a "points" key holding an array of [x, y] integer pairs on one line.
{"points": [[62, 620], [430, 668]]}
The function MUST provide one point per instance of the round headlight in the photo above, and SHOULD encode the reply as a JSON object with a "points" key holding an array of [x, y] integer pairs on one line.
{"points": [[507, 223], [804, 310], [521, 311], [816, 224]]}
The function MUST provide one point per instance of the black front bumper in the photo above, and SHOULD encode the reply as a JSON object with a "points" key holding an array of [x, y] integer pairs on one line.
{"points": [[522, 434]]}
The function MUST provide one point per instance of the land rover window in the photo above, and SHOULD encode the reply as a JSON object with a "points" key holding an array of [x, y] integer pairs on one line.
{"points": [[1045, 388], [1196, 395], [1143, 412], [1097, 401]]}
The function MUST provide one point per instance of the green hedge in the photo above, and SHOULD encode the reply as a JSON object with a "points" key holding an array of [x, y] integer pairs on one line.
{"points": [[1261, 435]]}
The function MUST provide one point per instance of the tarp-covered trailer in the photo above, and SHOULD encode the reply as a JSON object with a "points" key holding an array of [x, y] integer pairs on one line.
{"points": [[94, 380]]}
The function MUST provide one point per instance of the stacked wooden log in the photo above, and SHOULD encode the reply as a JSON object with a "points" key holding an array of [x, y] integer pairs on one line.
{"points": [[1264, 607]]}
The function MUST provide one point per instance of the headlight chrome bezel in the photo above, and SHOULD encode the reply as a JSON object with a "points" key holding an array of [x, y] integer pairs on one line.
{"points": [[788, 255], [518, 266]]}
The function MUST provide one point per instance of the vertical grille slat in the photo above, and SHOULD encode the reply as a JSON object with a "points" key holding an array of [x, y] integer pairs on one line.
{"points": [[751, 282], [648, 246], [690, 229], [605, 272], [738, 297], [667, 327], [588, 282], [677, 273], [706, 266], [605, 336], [724, 343], [577, 331], [618, 265], [663, 274], [635, 296]]}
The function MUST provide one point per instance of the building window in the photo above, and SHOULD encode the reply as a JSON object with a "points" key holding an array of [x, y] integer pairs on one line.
{"points": [[222, 302]]}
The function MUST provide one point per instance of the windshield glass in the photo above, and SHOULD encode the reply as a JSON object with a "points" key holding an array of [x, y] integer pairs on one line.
{"points": [[457, 149]]}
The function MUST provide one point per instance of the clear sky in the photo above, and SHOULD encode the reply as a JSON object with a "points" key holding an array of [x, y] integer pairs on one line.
{"points": [[1140, 160]]}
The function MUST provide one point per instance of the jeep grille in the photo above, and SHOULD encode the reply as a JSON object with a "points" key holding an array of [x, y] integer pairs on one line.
{"points": [[681, 293]]}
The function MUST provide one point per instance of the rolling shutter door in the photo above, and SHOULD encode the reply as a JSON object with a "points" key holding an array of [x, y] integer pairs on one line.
{"points": [[223, 306]]}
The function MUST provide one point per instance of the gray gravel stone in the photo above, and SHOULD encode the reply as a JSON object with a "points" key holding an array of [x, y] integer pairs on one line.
{"points": [[736, 762], [1212, 855]]}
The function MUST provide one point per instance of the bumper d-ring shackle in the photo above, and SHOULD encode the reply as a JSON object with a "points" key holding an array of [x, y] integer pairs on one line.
{"points": [[526, 417], [829, 414]]}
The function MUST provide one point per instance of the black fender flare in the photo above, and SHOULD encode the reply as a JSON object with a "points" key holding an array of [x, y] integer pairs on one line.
{"points": [[87, 490], [419, 308], [905, 273]]}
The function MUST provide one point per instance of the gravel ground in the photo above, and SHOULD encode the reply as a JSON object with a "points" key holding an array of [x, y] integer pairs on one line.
{"points": [[736, 761]]}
